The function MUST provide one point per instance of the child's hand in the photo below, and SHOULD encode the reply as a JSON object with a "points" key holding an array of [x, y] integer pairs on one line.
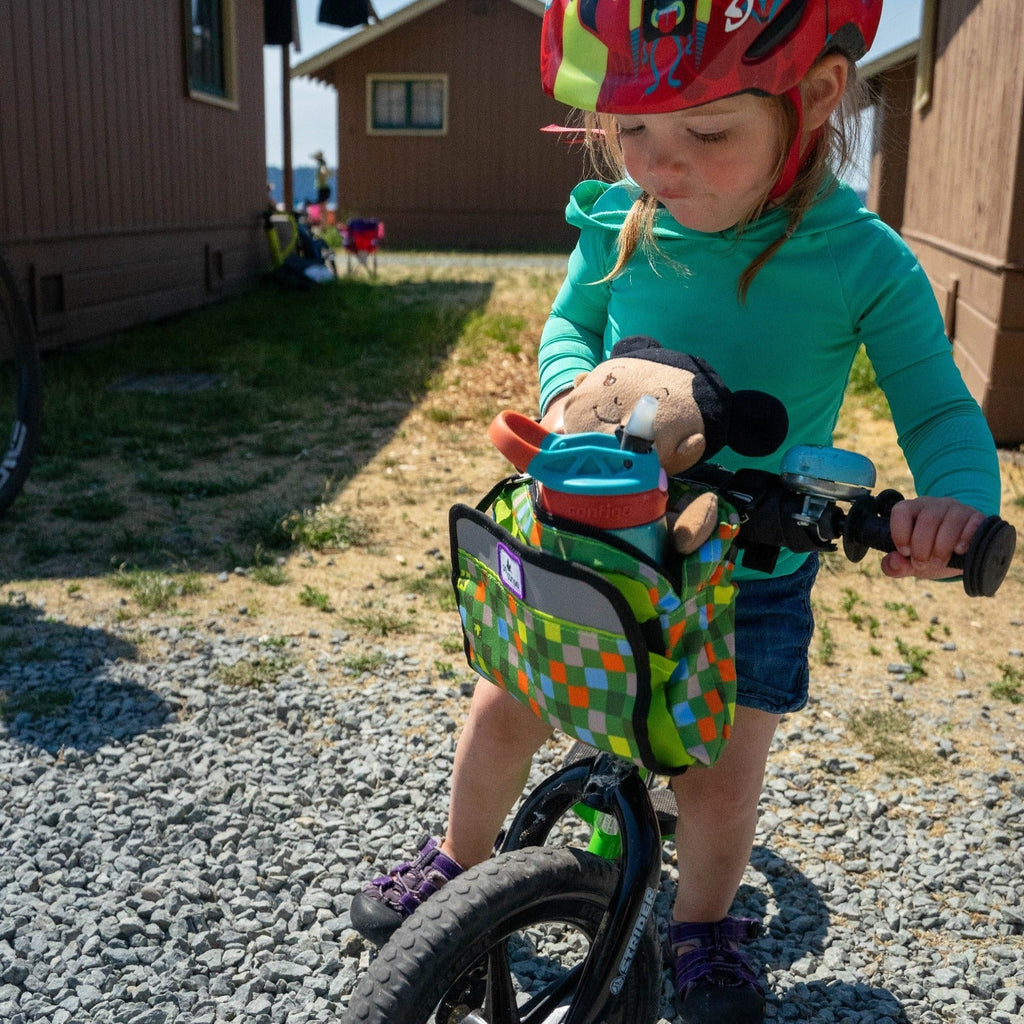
{"points": [[926, 532], [552, 418]]}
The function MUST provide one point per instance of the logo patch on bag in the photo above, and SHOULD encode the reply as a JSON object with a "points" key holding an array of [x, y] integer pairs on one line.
{"points": [[510, 571]]}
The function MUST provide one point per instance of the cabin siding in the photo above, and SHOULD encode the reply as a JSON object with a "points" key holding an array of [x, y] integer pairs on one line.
{"points": [[118, 190], [961, 155], [493, 179]]}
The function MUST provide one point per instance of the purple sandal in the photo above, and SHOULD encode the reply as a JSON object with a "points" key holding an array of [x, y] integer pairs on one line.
{"points": [[715, 981], [388, 900]]}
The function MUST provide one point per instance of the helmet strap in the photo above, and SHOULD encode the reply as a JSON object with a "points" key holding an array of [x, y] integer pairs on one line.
{"points": [[794, 158]]}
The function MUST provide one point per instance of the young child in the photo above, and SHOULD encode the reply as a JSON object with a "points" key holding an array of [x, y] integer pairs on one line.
{"points": [[727, 236]]}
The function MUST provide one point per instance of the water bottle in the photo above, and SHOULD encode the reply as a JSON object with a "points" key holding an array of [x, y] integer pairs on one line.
{"points": [[615, 484]]}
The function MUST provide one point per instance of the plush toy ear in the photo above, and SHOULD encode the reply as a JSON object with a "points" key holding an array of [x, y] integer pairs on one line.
{"points": [[758, 424], [579, 379]]}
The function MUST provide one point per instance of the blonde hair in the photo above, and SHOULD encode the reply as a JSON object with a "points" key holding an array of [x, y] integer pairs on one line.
{"points": [[833, 149]]}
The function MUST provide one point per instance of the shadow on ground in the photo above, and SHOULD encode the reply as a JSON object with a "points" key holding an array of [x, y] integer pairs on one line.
{"points": [[59, 688], [189, 443]]}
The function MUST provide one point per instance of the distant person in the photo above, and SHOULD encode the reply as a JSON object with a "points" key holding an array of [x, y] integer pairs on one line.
{"points": [[323, 178]]}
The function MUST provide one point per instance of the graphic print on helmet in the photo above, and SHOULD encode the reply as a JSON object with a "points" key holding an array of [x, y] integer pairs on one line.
{"points": [[654, 56]]}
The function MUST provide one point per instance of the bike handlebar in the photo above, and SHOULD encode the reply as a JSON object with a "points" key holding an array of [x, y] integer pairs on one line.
{"points": [[776, 514], [984, 564]]}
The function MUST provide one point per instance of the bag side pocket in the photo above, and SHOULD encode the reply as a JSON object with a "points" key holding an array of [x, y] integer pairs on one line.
{"points": [[589, 677]]}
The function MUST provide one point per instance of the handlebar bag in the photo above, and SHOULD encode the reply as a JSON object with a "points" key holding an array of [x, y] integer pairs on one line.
{"points": [[594, 637]]}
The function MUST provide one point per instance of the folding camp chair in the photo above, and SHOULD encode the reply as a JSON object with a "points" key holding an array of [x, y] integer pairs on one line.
{"points": [[360, 240]]}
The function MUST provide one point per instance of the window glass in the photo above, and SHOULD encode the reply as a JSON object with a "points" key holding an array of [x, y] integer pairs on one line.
{"points": [[389, 104], [205, 45], [426, 104], [408, 104]]}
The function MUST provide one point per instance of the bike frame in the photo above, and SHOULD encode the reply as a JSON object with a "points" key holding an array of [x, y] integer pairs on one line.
{"points": [[615, 787]]}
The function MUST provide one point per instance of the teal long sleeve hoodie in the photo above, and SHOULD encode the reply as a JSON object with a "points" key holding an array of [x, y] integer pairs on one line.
{"points": [[842, 280]]}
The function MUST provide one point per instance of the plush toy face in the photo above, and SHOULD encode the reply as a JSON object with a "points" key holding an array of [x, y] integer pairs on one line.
{"points": [[697, 414], [603, 399]]}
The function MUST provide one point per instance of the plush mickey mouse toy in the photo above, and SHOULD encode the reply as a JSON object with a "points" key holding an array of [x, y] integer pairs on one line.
{"points": [[697, 416]]}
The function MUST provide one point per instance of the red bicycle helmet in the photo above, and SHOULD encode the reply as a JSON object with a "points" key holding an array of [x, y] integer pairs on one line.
{"points": [[655, 56]]}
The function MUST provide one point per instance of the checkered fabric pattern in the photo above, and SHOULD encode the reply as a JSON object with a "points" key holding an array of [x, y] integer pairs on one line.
{"points": [[659, 690], [582, 681]]}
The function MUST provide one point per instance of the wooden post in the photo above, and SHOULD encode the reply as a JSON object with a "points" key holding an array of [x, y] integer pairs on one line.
{"points": [[288, 184]]}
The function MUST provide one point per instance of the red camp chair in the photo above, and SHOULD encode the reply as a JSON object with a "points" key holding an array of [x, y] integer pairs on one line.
{"points": [[360, 239]]}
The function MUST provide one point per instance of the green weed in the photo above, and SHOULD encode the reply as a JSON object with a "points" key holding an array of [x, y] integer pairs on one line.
{"points": [[885, 733], [439, 414], [915, 657], [864, 387], [320, 529], [1009, 685], [434, 584], [862, 620], [452, 644], [934, 629], [194, 488], [381, 622], [365, 662], [157, 591], [255, 673], [93, 507], [264, 525], [826, 644], [310, 597], [908, 610], [269, 574]]}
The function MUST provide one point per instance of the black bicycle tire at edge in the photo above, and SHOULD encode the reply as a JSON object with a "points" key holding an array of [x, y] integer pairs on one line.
{"points": [[411, 973], [23, 438]]}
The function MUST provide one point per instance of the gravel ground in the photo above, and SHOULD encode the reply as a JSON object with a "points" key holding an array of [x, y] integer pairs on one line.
{"points": [[181, 842]]}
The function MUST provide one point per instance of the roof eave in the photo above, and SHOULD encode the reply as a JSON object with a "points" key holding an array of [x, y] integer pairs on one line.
{"points": [[887, 61], [313, 67]]}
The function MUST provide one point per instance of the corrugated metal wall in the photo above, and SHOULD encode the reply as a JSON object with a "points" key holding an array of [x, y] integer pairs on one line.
{"points": [[494, 179], [121, 198]]}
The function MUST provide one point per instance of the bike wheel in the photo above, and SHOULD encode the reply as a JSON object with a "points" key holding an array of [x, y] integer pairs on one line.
{"points": [[528, 917], [20, 387]]}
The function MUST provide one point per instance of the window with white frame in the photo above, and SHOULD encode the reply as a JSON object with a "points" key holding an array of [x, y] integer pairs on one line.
{"points": [[407, 104]]}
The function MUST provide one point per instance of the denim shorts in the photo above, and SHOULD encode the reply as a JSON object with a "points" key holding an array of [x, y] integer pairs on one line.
{"points": [[774, 626]]}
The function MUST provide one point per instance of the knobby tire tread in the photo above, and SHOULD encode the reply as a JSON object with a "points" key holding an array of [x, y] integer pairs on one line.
{"points": [[449, 932]]}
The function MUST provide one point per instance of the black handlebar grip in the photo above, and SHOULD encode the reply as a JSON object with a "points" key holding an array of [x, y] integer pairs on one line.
{"points": [[984, 565], [987, 560], [866, 527]]}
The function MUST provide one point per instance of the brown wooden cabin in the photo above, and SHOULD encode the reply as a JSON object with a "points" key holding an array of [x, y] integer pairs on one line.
{"points": [[948, 173], [132, 157], [439, 117]]}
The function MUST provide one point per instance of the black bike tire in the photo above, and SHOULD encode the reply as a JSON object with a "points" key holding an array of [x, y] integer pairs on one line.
{"points": [[24, 431], [438, 944]]}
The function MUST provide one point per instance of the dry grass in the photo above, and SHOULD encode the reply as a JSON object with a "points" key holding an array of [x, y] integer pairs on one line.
{"points": [[350, 520]]}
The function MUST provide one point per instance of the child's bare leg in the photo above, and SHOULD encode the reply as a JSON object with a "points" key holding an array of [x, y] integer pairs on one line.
{"points": [[718, 818], [492, 763]]}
